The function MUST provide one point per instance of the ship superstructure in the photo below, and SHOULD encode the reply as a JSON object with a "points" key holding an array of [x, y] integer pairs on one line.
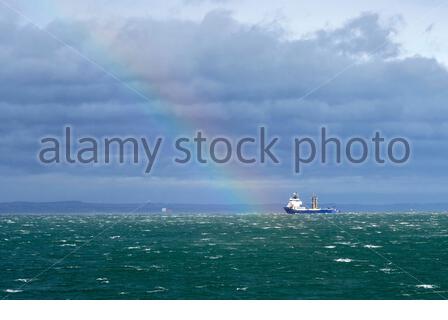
{"points": [[295, 206]]}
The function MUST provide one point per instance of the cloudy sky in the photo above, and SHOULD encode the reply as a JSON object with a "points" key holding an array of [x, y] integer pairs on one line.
{"points": [[170, 68]]}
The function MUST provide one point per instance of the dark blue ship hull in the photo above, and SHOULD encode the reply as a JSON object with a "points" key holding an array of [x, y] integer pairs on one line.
{"points": [[307, 211]]}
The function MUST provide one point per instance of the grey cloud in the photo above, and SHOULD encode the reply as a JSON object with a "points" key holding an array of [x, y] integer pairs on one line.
{"points": [[219, 74], [361, 36]]}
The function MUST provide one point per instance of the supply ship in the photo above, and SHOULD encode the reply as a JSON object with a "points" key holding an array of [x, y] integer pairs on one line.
{"points": [[295, 206]]}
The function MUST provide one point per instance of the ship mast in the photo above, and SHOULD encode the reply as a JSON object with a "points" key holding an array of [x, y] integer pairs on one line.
{"points": [[314, 202]]}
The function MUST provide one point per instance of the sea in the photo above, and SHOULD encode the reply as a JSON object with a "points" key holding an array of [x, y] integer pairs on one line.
{"points": [[224, 256]]}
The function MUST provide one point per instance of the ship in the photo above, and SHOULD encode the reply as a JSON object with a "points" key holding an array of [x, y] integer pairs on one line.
{"points": [[295, 206]]}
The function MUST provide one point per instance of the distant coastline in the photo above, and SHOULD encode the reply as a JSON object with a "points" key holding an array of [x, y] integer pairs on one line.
{"points": [[80, 207]]}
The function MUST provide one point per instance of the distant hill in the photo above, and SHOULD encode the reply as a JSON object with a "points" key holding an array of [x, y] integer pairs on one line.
{"points": [[69, 207], [78, 207]]}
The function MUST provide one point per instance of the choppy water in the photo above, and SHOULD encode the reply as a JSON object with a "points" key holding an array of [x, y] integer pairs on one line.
{"points": [[344, 256]]}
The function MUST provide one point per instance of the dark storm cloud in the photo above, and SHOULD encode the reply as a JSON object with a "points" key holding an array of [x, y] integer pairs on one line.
{"points": [[219, 74]]}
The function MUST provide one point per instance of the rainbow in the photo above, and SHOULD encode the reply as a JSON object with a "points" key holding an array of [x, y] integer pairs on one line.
{"points": [[231, 179]]}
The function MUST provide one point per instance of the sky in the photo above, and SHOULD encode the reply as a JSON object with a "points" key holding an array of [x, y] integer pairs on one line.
{"points": [[170, 68]]}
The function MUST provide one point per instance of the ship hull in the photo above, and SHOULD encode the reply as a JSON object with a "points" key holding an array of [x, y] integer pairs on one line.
{"points": [[308, 211]]}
